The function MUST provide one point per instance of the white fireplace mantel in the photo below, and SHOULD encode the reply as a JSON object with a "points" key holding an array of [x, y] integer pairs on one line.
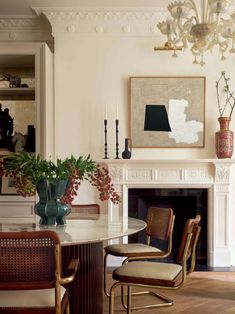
{"points": [[213, 174]]}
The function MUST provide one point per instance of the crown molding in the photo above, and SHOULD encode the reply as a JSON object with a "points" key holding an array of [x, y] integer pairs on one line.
{"points": [[100, 12], [126, 21], [25, 29], [132, 22], [22, 23]]}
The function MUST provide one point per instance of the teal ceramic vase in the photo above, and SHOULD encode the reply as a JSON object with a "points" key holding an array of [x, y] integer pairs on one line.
{"points": [[49, 208]]}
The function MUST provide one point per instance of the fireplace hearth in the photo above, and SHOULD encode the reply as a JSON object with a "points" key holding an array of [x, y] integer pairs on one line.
{"points": [[186, 203]]}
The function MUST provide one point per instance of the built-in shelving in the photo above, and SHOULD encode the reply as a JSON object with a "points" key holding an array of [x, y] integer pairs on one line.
{"points": [[26, 61], [17, 93]]}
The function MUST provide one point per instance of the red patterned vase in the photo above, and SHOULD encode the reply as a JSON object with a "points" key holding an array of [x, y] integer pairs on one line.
{"points": [[224, 139]]}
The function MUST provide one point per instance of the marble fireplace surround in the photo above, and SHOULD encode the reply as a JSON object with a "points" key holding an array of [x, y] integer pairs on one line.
{"points": [[212, 174]]}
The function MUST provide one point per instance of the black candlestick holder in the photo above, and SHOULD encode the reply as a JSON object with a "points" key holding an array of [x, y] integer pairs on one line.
{"points": [[105, 139], [117, 145]]}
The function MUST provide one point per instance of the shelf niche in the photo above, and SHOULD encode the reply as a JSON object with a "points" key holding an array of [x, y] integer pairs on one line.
{"points": [[17, 93]]}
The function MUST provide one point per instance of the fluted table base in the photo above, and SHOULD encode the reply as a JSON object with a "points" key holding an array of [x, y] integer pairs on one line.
{"points": [[86, 291]]}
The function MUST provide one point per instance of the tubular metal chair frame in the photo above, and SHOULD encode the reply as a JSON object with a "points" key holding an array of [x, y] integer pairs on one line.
{"points": [[158, 255], [188, 251], [19, 237]]}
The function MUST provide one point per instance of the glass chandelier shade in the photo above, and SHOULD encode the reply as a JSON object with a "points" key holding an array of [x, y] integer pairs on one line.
{"points": [[202, 27]]}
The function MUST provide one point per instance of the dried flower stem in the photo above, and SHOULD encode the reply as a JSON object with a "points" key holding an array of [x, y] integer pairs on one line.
{"points": [[229, 96]]}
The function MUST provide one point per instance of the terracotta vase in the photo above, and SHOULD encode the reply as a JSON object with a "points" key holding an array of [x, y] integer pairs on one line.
{"points": [[224, 139]]}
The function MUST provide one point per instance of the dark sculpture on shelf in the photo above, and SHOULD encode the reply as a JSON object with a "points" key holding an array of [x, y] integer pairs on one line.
{"points": [[30, 139], [6, 127], [14, 80]]}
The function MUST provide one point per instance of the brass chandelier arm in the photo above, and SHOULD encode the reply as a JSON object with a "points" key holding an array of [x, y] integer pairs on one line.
{"points": [[167, 47], [207, 27]]}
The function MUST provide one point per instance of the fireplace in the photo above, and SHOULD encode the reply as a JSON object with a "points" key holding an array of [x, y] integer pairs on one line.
{"points": [[213, 175], [186, 203]]}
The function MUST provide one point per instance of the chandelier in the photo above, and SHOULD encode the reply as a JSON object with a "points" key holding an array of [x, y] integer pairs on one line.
{"points": [[202, 27]]}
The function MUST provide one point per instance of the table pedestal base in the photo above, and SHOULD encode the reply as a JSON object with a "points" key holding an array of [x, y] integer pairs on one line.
{"points": [[86, 295]]}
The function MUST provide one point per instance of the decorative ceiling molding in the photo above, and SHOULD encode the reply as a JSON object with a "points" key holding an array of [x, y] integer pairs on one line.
{"points": [[61, 13], [132, 22], [25, 29], [22, 23], [105, 15]]}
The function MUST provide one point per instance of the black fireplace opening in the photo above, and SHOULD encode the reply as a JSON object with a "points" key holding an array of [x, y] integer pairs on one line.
{"points": [[185, 202]]}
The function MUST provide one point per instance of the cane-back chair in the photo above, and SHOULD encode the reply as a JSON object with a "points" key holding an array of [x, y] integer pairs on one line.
{"points": [[160, 223], [152, 274], [84, 211], [30, 273]]}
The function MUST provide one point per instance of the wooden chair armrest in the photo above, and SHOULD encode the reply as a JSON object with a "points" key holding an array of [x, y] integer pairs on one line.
{"points": [[72, 270]]}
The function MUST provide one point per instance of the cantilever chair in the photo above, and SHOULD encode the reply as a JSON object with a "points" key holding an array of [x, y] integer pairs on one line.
{"points": [[152, 274], [84, 211], [160, 223], [30, 273]]}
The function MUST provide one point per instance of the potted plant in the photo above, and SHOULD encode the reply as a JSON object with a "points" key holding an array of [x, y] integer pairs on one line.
{"points": [[56, 182]]}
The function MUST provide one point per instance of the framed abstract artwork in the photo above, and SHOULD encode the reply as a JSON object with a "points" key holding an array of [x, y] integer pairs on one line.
{"points": [[167, 111]]}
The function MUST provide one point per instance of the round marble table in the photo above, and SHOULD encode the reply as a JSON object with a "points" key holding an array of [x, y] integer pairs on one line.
{"points": [[82, 237]]}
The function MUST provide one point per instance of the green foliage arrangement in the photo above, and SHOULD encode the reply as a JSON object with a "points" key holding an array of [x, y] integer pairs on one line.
{"points": [[29, 168]]}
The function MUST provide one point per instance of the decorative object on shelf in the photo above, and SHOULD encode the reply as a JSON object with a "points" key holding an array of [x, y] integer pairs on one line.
{"points": [[126, 154], [6, 128], [30, 139], [31, 172], [117, 145], [202, 27], [19, 142], [14, 80], [105, 139], [224, 137], [168, 112]]}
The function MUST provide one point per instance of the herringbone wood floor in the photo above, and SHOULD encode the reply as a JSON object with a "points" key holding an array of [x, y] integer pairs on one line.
{"points": [[203, 293]]}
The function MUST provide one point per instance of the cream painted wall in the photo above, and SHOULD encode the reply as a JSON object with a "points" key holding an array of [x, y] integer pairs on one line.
{"points": [[94, 57], [91, 71]]}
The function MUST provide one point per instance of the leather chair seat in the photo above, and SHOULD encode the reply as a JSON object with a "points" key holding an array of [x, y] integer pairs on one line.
{"points": [[29, 298], [150, 273], [132, 249]]}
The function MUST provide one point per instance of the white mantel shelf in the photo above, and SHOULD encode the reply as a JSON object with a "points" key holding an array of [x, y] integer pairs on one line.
{"points": [[153, 161], [212, 174]]}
